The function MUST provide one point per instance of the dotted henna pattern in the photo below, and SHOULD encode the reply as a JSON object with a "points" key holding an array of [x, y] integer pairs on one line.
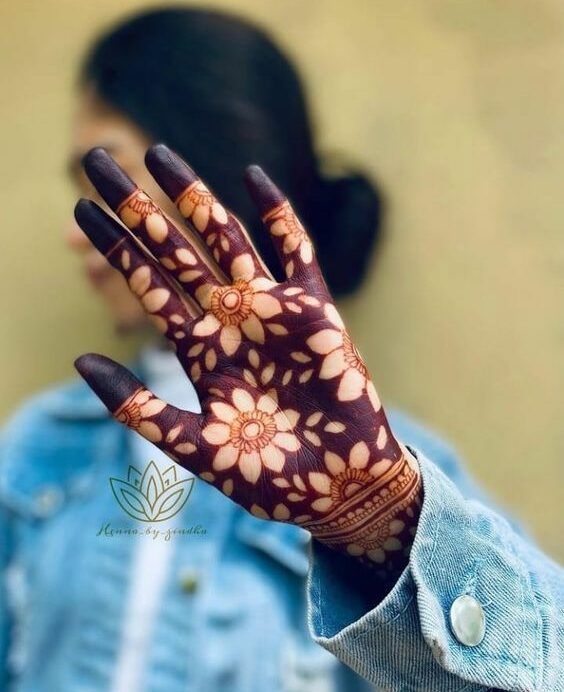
{"points": [[291, 425]]}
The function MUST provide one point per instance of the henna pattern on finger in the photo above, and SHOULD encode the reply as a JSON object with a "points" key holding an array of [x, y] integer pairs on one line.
{"points": [[221, 231], [148, 223], [165, 307], [291, 426]]}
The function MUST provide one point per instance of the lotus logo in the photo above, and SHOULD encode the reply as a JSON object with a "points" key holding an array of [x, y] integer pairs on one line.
{"points": [[152, 495]]}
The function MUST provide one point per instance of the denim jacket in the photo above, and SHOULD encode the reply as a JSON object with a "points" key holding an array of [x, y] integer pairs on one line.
{"points": [[246, 606]]}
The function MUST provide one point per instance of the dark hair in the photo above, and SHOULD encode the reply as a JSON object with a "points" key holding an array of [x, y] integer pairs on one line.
{"points": [[217, 90]]}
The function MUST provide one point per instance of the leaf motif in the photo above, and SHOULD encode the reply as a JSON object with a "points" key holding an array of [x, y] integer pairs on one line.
{"points": [[172, 500], [169, 475], [152, 492], [134, 476], [153, 474], [131, 500]]}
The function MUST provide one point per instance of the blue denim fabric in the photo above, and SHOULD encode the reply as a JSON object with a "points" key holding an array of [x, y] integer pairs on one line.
{"points": [[63, 588], [405, 642]]}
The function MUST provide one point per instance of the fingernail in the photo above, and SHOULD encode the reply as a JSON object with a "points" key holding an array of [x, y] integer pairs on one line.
{"points": [[101, 229], [109, 380], [171, 172], [107, 177], [263, 191]]}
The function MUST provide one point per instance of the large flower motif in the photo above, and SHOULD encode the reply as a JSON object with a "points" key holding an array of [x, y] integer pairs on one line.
{"points": [[198, 204], [285, 223], [135, 411], [342, 360], [342, 479], [251, 433], [238, 308]]}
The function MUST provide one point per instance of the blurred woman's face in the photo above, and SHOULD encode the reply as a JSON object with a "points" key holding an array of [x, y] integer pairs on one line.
{"points": [[96, 124]]}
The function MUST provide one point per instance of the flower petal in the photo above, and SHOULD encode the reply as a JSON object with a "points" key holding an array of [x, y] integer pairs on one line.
{"points": [[279, 227], [219, 213], [351, 386], [225, 457], [306, 251], [200, 216], [253, 328], [322, 505], [140, 280], [359, 455], [261, 283], [273, 458], [250, 466], [142, 396], [396, 526], [266, 306], [152, 407], [209, 325], [155, 299], [267, 404], [334, 463], [320, 482], [243, 267], [203, 295], [287, 419], [382, 438], [333, 316], [333, 364], [325, 341], [291, 242], [156, 227], [230, 339], [216, 433], [243, 400], [286, 441], [392, 543], [223, 411], [150, 431], [376, 555]]}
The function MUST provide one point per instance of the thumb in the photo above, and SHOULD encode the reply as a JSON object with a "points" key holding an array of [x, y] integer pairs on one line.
{"points": [[174, 431]]}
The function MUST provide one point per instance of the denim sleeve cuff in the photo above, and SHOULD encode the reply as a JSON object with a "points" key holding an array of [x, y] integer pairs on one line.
{"points": [[405, 641]]}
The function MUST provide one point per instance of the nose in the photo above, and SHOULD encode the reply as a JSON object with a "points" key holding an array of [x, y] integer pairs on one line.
{"points": [[75, 237]]}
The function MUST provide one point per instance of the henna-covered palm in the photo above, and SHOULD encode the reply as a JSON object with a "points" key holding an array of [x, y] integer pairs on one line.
{"points": [[291, 425]]}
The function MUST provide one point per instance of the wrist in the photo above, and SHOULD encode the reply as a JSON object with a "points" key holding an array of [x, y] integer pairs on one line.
{"points": [[376, 525]]}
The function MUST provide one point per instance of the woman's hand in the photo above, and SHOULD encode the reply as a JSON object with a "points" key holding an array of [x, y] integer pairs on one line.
{"points": [[291, 425]]}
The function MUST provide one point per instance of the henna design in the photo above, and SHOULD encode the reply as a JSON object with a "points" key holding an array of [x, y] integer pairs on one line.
{"points": [[291, 426], [223, 233]]}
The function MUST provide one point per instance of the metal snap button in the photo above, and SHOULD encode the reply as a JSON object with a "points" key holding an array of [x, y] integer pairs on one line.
{"points": [[189, 581], [48, 501], [467, 620]]}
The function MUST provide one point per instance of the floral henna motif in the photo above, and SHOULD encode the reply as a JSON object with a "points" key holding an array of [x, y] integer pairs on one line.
{"points": [[342, 360], [286, 226], [251, 433], [239, 309], [137, 411], [291, 425], [368, 518]]}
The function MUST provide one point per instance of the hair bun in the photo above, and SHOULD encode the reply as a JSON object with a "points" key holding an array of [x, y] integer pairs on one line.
{"points": [[345, 223]]}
